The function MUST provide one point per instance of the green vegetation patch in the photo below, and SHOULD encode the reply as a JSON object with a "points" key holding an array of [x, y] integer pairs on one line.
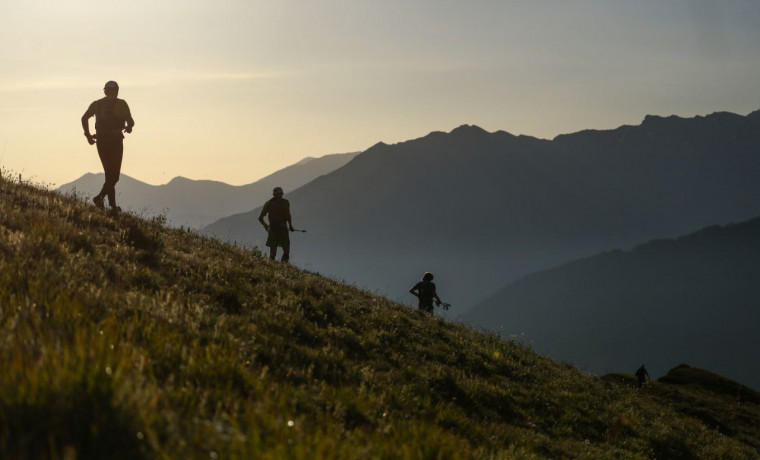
{"points": [[121, 338]]}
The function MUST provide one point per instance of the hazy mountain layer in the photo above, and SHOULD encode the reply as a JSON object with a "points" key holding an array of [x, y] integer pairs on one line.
{"points": [[194, 203], [693, 299], [481, 209]]}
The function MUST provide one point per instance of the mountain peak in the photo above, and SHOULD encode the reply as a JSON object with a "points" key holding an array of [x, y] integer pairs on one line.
{"points": [[657, 119], [469, 130], [381, 146], [306, 160]]}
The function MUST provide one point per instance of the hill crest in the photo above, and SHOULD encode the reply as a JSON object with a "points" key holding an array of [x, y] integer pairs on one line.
{"points": [[122, 338]]}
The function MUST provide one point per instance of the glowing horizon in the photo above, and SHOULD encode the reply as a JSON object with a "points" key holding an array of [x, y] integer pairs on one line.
{"points": [[234, 90]]}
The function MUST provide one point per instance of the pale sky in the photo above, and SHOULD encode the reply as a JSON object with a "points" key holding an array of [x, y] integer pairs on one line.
{"points": [[233, 90]]}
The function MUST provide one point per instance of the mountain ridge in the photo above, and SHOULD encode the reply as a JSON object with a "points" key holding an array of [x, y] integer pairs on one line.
{"points": [[619, 305], [481, 209], [197, 202]]}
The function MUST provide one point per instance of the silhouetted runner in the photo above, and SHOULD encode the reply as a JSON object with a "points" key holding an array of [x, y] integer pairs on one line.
{"points": [[425, 292], [111, 117], [278, 209], [641, 375]]}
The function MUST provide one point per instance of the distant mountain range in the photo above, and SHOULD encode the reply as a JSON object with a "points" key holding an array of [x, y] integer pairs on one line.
{"points": [[692, 299], [194, 203], [482, 209]]}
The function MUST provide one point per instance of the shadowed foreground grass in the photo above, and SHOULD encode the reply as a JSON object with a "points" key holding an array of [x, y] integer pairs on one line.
{"points": [[121, 338]]}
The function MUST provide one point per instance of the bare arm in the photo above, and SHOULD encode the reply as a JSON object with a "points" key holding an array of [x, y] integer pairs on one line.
{"points": [[127, 117], [86, 126], [130, 124], [261, 217]]}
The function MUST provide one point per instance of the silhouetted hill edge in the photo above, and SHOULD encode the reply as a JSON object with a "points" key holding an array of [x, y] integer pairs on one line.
{"points": [[691, 299]]}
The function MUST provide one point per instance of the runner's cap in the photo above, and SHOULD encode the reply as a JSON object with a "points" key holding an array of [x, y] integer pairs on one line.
{"points": [[111, 84], [277, 189]]}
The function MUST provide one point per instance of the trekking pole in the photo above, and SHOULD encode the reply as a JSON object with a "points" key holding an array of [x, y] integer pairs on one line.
{"points": [[296, 230]]}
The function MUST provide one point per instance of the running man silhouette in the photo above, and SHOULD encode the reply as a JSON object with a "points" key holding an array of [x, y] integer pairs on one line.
{"points": [[111, 117], [278, 209], [425, 292], [641, 375]]}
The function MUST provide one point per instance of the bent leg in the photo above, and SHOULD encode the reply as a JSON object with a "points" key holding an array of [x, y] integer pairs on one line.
{"points": [[111, 153], [114, 171], [103, 154]]}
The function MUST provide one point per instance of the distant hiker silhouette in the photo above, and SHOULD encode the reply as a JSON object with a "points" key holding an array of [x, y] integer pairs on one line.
{"points": [[278, 209], [641, 375], [111, 117], [426, 293]]}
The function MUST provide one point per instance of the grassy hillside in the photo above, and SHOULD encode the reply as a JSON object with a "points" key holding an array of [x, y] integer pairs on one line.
{"points": [[121, 338], [723, 404]]}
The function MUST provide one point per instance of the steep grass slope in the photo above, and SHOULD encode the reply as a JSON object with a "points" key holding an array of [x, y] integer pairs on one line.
{"points": [[121, 338], [721, 403]]}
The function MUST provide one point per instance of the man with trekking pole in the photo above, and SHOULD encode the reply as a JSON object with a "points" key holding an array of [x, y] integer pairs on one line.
{"points": [[278, 210], [426, 293]]}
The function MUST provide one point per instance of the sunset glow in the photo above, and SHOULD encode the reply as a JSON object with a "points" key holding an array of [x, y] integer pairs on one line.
{"points": [[234, 90]]}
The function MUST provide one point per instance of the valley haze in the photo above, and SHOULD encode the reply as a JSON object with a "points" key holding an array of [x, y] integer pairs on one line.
{"points": [[195, 203], [482, 209], [693, 299]]}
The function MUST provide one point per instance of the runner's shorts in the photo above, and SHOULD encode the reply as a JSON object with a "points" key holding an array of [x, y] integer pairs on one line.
{"points": [[425, 306], [278, 236]]}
